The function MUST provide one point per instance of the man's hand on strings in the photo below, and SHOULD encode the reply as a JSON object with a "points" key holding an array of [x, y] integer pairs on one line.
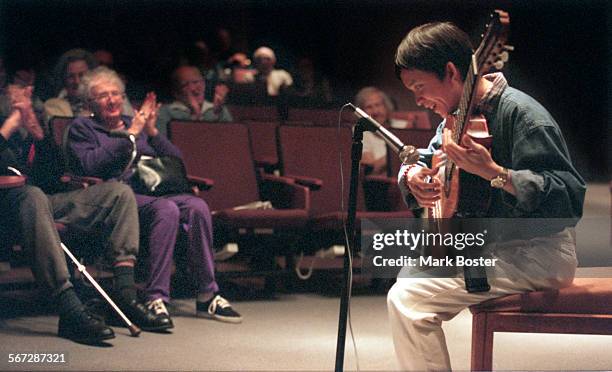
{"points": [[423, 184], [470, 156]]}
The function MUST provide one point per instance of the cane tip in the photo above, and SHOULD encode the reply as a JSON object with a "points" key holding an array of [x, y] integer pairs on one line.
{"points": [[134, 330]]}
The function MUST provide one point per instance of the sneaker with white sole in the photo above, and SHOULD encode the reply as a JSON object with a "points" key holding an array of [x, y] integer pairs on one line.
{"points": [[218, 308]]}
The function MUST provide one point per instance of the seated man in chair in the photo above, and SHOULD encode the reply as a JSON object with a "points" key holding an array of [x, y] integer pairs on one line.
{"points": [[528, 174], [188, 88]]}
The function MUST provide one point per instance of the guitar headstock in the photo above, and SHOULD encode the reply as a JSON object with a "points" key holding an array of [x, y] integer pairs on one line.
{"points": [[493, 53]]}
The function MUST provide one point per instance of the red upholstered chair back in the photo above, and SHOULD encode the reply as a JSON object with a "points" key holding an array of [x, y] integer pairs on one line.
{"points": [[255, 113], [313, 151], [220, 151], [263, 141], [415, 137], [414, 119], [324, 117], [59, 126]]}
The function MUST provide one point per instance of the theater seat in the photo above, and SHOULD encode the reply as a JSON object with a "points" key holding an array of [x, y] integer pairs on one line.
{"points": [[583, 308], [262, 135], [310, 155], [320, 117], [222, 152]]}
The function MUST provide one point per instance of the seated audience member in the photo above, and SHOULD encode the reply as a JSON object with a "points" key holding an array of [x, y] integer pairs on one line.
{"points": [[188, 88], [198, 55], [68, 72], [378, 105], [22, 78], [239, 69], [99, 154], [276, 79], [108, 209], [310, 85]]}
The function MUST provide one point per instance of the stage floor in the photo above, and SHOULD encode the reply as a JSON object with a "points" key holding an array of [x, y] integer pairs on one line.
{"points": [[293, 331]]}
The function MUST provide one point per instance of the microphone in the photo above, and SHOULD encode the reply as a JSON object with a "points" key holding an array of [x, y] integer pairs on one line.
{"points": [[407, 153]]}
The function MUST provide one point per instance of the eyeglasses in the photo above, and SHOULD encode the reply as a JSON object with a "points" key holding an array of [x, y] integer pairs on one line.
{"points": [[106, 95]]}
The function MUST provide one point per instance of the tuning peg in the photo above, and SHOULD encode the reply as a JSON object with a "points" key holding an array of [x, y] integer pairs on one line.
{"points": [[503, 56], [499, 65], [509, 48]]}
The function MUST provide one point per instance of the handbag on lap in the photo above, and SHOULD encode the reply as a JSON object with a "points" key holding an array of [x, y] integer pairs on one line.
{"points": [[159, 176]]}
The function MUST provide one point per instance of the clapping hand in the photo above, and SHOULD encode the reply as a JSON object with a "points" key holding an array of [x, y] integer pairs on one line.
{"points": [[221, 91], [146, 118], [195, 107], [20, 97], [21, 101]]}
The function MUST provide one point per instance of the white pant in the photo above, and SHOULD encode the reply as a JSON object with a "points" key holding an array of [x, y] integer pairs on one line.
{"points": [[417, 306]]}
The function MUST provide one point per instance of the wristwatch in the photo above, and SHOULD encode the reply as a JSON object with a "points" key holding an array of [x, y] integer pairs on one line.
{"points": [[500, 180]]}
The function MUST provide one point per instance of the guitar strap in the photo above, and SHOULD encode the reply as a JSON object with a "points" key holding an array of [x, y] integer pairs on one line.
{"points": [[475, 276]]}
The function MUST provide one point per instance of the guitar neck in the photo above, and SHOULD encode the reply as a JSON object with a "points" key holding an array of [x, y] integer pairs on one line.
{"points": [[466, 104]]}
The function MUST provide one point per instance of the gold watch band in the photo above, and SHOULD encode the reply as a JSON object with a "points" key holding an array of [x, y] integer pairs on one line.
{"points": [[500, 180]]}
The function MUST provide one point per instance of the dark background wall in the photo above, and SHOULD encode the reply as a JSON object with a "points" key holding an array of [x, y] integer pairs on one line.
{"points": [[561, 58]]}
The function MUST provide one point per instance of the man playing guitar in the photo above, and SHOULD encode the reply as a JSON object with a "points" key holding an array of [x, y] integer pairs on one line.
{"points": [[527, 173]]}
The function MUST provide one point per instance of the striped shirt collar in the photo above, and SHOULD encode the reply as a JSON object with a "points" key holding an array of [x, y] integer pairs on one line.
{"points": [[491, 97]]}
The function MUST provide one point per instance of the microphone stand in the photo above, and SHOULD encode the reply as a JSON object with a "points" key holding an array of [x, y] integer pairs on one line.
{"points": [[408, 155], [356, 149]]}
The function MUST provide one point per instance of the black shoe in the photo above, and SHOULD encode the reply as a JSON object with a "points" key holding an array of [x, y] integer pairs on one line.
{"points": [[145, 318], [158, 308], [84, 327], [218, 308]]}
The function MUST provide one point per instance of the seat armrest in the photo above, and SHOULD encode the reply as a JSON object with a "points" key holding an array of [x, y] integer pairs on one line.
{"points": [[79, 182], [9, 182], [312, 183], [380, 179], [267, 177], [382, 194], [267, 162], [285, 193], [200, 183]]}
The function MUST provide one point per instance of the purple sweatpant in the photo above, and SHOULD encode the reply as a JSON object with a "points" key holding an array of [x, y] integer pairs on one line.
{"points": [[160, 219]]}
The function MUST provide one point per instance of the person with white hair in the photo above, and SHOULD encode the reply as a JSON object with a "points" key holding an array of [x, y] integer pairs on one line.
{"points": [[106, 211], [276, 79], [96, 153], [377, 104], [68, 72]]}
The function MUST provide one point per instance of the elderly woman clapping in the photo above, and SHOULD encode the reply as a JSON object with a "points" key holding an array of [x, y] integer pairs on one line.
{"points": [[97, 153]]}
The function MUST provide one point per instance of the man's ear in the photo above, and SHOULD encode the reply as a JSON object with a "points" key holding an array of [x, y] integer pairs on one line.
{"points": [[452, 72]]}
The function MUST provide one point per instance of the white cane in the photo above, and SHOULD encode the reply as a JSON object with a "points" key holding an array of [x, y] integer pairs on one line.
{"points": [[134, 330]]}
